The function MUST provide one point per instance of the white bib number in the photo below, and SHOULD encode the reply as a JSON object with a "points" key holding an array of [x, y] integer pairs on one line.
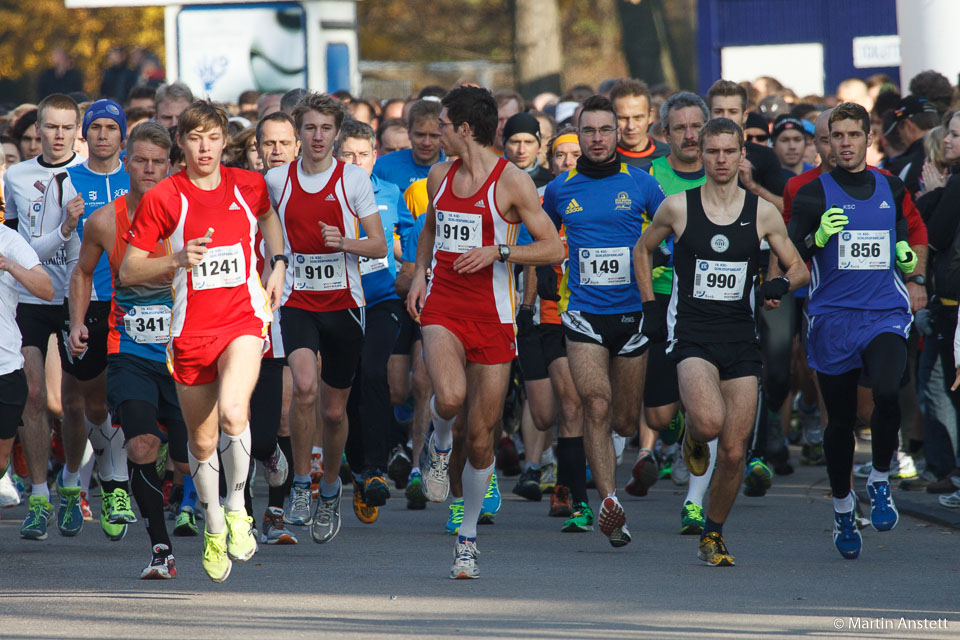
{"points": [[720, 281], [459, 232], [319, 271], [372, 265], [148, 324], [864, 250], [605, 267], [221, 268]]}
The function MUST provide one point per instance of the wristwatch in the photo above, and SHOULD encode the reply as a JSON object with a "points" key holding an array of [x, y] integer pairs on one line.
{"points": [[918, 279], [278, 257], [504, 252]]}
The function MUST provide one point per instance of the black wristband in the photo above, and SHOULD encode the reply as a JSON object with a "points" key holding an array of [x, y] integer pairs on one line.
{"points": [[278, 257]]}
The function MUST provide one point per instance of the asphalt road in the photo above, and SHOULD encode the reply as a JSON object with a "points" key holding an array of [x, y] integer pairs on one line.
{"points": [[389, 579]]}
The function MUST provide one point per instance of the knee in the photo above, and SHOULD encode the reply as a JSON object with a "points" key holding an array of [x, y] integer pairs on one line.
{"points": [[96, 409], [203, 446], [596, 408], [305, 390], [730, 454], [142, 449], [36, 397], [333, 414], [480, 448], [234, 417], [398, 395], [706, 426], [625, 425], [447, 402]]}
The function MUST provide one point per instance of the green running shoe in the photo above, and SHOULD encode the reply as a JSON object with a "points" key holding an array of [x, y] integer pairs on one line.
{"points": [[674, 430], [186, 523], [581, 520], [122, 513], [691, 518], [241, 543], [162, 458], [39, 517], [756, 478], [414, 494], [492, 501], [113, 531], [456, 517], [215, 560], [69, 515]]}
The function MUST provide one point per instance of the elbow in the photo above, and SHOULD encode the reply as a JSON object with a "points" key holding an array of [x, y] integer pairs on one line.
{"points": [[382, 249], [47, 293], [557, 253]]}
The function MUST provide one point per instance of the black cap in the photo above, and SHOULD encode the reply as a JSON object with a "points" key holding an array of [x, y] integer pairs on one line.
{"points": [[522, 122], [909, 106], [785, 123], [756, 121]]}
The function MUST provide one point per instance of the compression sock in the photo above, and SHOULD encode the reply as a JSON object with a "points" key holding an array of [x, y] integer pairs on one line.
{"points": [[442, 428], [149, 497], [107, 441], [235, 454], [572, 463], [86, 467], [475, 483], [206, 479], [699, 484]]}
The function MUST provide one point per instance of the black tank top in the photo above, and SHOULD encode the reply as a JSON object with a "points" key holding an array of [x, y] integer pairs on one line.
{"points": [[714, 271]]}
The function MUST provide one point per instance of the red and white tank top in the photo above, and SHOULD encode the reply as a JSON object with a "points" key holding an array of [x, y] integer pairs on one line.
{"points": [[464, 224], [319, 278]]}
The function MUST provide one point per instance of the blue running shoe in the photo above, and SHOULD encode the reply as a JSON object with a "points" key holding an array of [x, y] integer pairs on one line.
{"points": [[846, 536], [69, 515], [491, 501], [883, 513], [456, 517], [38, 519]]}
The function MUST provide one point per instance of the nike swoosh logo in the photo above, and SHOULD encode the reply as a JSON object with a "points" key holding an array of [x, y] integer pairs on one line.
{"points": [[743, 224]]}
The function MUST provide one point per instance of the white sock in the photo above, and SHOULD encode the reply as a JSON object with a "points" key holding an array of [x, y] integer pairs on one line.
{"points": [[86, 467], [107, 442], [877, 476], [699, 484], [442, 429], [843, 505], [70, 479], [475, 483], [41, 490], [317, 451], [547, 458], [235, 454], [206, 480]]}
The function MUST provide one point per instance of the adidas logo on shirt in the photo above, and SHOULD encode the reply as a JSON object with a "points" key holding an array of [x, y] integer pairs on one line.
{"points": [[479, 203], [884, 205], [234, 207], [329, 197], [573, 207]]}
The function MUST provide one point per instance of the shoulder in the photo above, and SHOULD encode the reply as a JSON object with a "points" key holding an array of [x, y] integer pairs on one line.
{"points": [[355, 173], [644, 180], [161, 195], [402, 156], [896, 184], [811, 189], [766, 212], [102, 219], [276, 176], [244, 177], [676, 203], [11, 242]]}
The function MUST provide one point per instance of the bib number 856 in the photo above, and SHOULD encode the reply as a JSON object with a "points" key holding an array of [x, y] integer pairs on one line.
{"points": [[865, 250]]}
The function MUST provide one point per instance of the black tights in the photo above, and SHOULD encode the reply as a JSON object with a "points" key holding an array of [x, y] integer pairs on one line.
{"points": [[884, 361]]}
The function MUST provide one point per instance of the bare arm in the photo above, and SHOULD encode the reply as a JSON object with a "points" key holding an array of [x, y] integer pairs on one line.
{"points": [[529, 286], [771, 226], [404, 279], [35, 280], [91, 248], [663, 224], [274, 245], [418, 283]]}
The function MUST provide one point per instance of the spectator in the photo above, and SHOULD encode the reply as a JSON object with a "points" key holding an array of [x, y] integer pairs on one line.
{"points": [[248, 100], [61, 77], [912, 118], [934, 87], [136, 115], [118, 79]]}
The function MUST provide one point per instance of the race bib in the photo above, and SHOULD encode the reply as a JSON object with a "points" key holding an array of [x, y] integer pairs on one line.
{"points": [[606, 267], [372, 265], [458, 232], [863, 250], [148, 324], [221, 268], [720, 281], [319, 271]]}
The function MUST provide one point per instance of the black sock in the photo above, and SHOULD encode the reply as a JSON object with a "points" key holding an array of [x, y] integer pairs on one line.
{"points": [[710, 526], [167, 475], [107, 486], [275, 495], [149, 497], [572, 467]]}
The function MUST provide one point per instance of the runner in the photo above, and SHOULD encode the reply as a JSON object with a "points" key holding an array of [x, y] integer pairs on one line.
{"points": [[468, 309], [711, 325], [603, 205], [221, 314], [631, 101]]}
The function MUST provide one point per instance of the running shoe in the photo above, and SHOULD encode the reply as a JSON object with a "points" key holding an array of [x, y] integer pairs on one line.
{"points": [[672, 433], [215, 560], [951, 501], [581, 521], [613, 522], [376, 492], [435, 481], [365, 512], [679, 474], [186, 523], [39, 517], [644, 474], [162, 566], [9, 496], [85, 507], [298, 507], [414, 492], [162, 453], [846, 536], [691, 519], [811, 455], [492, 501], [316, 473], [904, 468], [528, 485], [619, 444], [465, 560], [121, 512], [591, 483], [560, 504], [276, 468], [175, 499], [456, 517], [273, 530], [508, 460], [326, 517], [696, 455], [166, 488], [714, 552], [114, 531], [346, 473], [548, 477], [241, 543], [756, 478], [883, 513], [69, 516], [399, 466]]}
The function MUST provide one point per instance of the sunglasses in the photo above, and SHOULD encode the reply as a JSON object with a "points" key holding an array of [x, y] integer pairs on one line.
{"points": [[763, 137]]}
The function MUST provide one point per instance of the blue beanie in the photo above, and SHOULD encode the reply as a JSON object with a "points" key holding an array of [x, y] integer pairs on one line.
{"points": [[105, 109]]}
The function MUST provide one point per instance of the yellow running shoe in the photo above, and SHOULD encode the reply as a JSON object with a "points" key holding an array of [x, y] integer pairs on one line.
{"points": [[696, 455], [364, 512], [215, 560], [241, 543], [714, 552]]}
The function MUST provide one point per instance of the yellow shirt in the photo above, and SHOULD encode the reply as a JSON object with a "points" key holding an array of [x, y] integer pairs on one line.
{"points": [[416, 198]]}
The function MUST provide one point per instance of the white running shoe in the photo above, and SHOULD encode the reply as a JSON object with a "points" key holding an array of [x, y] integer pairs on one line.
{"points": [[435, 482], [9, 496], [276, 468], [465, 561]]}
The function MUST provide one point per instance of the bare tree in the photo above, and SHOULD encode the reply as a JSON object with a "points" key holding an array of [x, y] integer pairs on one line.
{"points": [[537, 46]]}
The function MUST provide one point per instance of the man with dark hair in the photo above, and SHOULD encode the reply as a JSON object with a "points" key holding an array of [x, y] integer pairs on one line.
{"points": [[712, 329], [290, 100], [911, 119], [521, 146], [392, 136], [406, 166], [509, 104], [631, 101], [247, 101], [851, 222], [760, 172], [789, 143], [27, 136], [466, 313], [603, 205], [934, 87], [142, 96], [171, 100]]}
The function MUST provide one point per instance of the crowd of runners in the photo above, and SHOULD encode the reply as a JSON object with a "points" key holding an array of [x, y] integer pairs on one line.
{"points": [[419, 297]]}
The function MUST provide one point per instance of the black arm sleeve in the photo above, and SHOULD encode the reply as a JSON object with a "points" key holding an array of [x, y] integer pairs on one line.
{"points": [[942, 223], [13, 224], [808, 206], [898, 190]]}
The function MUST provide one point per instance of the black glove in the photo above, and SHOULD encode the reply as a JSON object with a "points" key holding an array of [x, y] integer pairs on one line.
{"points": [[774, 289], [654, 321], [547, 283], [524, 321]]}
